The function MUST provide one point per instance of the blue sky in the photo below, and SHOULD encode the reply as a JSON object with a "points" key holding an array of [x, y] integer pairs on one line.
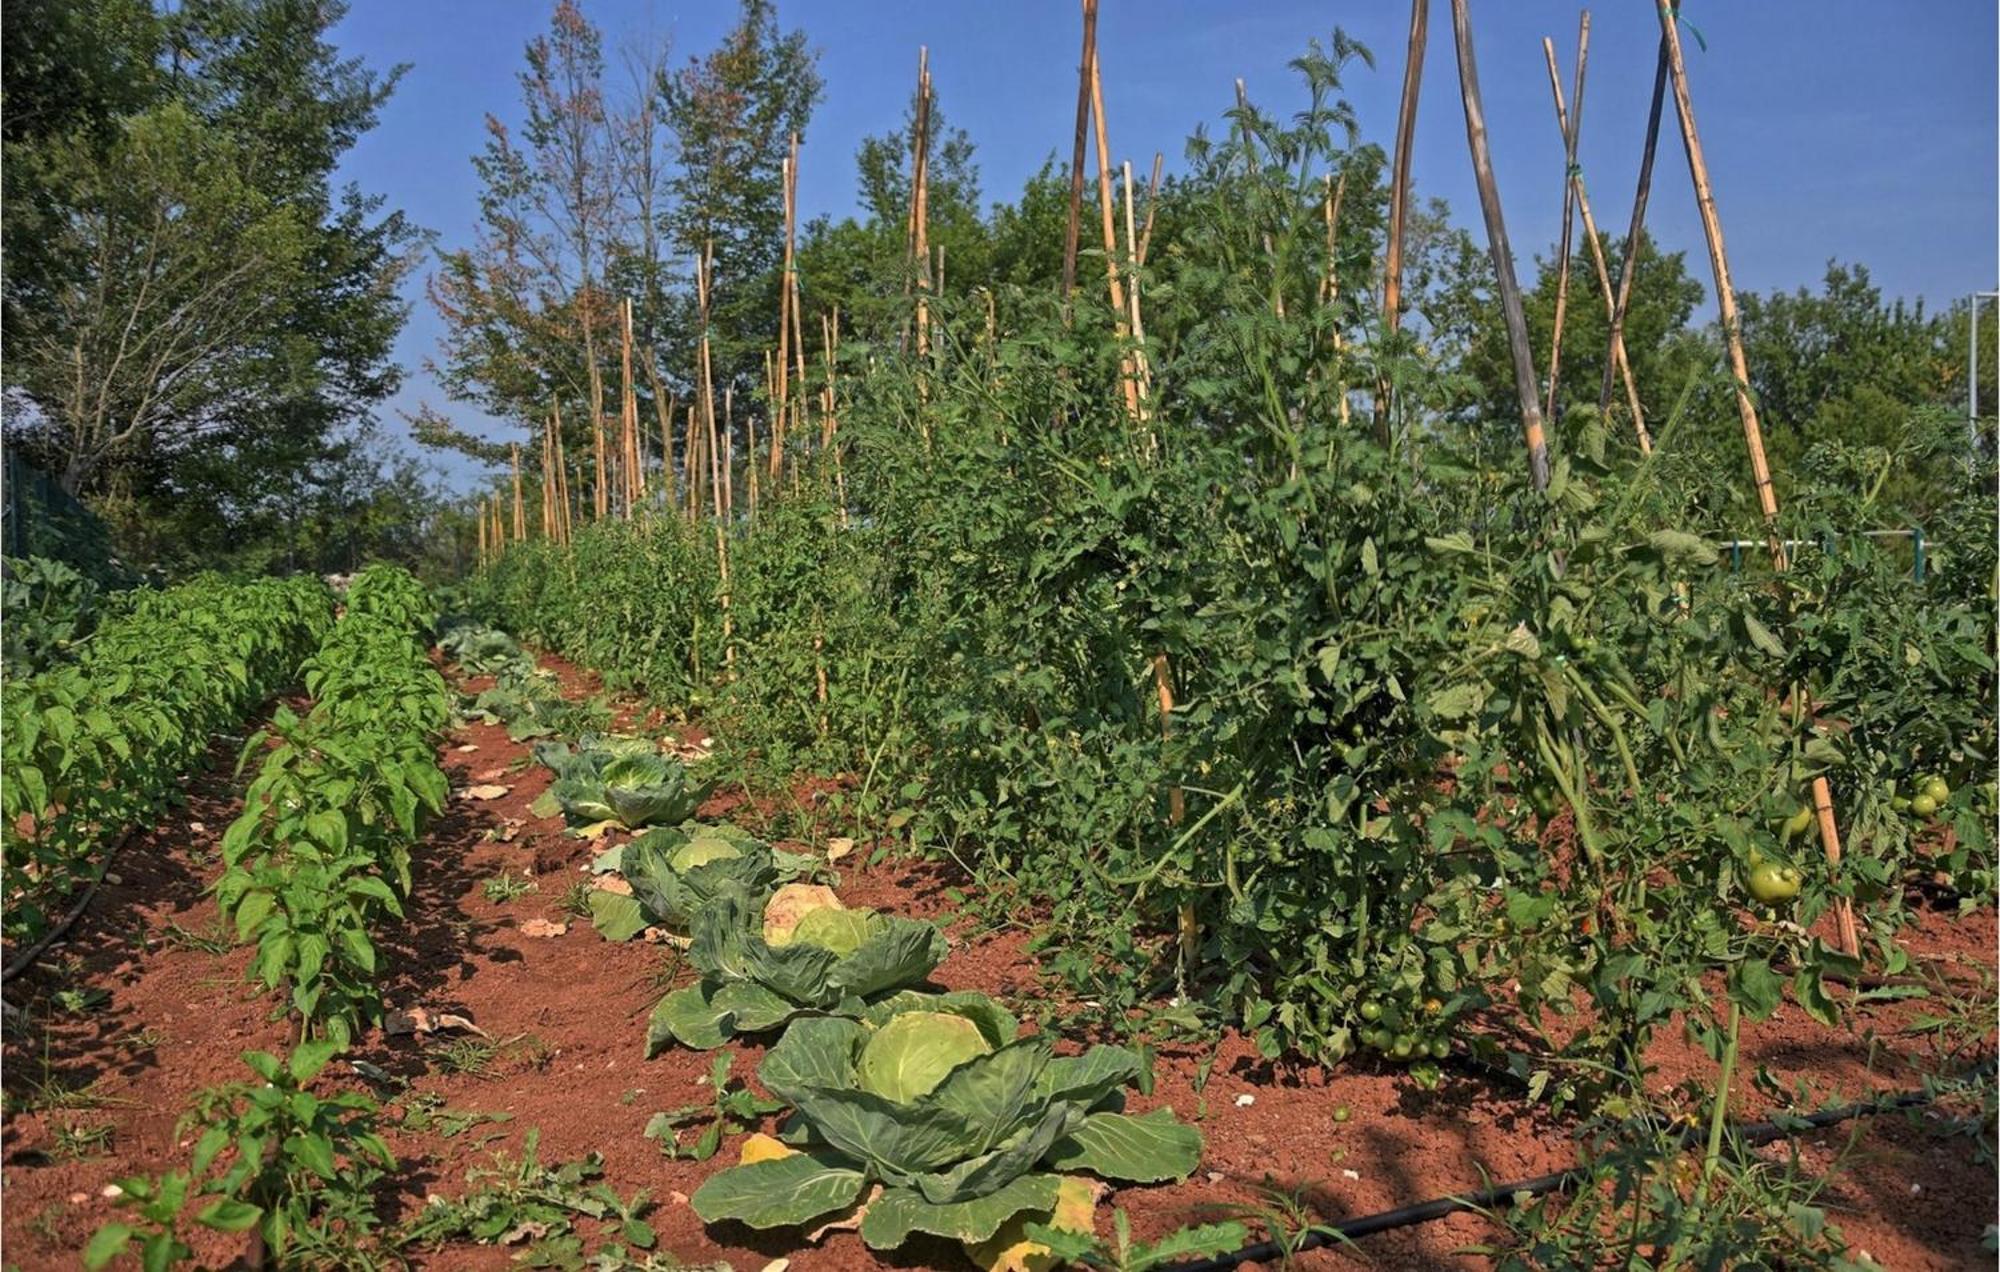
{"points": [[1833, 128]]}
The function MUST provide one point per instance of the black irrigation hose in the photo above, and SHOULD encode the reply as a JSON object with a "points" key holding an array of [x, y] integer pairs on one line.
{"points": [[1505, 1194], [26, 958]]}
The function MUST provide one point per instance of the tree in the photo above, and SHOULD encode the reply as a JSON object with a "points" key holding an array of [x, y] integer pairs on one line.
{"points": [[525, 309], [732, 113], [193, 311]]}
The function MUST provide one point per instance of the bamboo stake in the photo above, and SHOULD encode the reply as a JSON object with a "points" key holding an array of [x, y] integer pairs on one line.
{"points": [[663, 410], [601, 492], [1152, 204], [562, 476], [1503, 255], [1140, 362], [520, 508], [1117, 291], [1330, 285], [1753, 435], [920, 250], [1620, 364], [785, 287], [1629, 267], [1084, 69], [635, 471], [702, 268], [1399, 199], [729, 452], [482, 534], [1570, 127]]}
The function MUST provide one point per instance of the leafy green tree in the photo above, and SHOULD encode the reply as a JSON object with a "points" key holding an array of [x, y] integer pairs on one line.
{"points": [[732, 113], [194, 311]]}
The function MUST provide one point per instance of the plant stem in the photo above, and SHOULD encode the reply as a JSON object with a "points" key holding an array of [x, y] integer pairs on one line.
{"points": [[1719, 1116]]}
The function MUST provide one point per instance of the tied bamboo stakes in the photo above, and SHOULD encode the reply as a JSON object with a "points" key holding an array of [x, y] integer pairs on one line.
{"points": [[1629, 267], [1399, 201], [1618, 363], [1503, 254], [1753, 436], [1073, 230], [628, 416], [1571, 126]]}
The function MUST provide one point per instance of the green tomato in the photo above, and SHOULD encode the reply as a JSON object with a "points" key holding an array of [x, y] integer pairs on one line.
{"points": [[1403, 1046], [1371, 1011], [1798, 823], [1341, 1113], [1924, 806], [1900, 804], [1438, 1048], [1938, 790], [1771, 883], [1376, 1038]]}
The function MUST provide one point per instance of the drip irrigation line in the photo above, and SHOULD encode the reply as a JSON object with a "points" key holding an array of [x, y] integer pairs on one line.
{"points": [[26, 958], [1498, 1195]]}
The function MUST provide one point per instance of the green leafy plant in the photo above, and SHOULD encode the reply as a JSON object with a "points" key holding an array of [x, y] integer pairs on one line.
{"points": [[506, 886], [760, 968], [964, 1124], [730, 1111], [1122, 1254], [272, 1156], [521, 1199], [625, 781], [678, 872]]}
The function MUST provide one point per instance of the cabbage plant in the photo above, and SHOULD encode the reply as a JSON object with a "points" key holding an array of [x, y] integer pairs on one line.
{"points": [[678, 872], [758, 971], [962, 1122], [621, 780]]}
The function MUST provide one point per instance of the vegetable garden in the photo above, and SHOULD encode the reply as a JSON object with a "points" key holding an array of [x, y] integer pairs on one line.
{"points": [[1129, 774]]}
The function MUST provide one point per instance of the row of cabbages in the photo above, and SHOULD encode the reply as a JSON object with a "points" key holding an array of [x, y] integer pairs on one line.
{"points": [[911, 1111]]}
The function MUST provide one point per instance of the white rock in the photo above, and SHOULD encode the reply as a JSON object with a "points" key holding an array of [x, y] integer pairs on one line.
{"points": [[1245, 1101]]}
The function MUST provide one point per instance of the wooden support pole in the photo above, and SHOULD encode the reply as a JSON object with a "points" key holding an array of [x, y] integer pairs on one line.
{"points": [[1399, 198], [628, 406], [1142, 366], [1503, 254], [920, 241], [1629, 266], [1619, 364], [1104, 199], [1571, 126], [786, 291], [1753, 435], [520, 507], [1329, 296], [702, 279], [1152, 205], [1084, 70]]}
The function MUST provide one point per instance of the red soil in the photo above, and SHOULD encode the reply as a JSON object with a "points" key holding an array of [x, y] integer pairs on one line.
{"points": [[572, 1011]]}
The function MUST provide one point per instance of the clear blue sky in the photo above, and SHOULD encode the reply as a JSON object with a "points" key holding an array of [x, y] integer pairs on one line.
{"points": [[1833, 128]]}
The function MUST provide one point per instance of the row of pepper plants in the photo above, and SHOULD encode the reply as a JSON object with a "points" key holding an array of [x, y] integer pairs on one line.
{"points": [[314, 867], [101, 744]]}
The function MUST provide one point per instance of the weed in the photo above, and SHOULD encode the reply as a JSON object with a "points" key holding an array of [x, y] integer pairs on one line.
{"points": [[575, 900], [217, 940], [77, 1140], [520, 1199], [507, 886], [728, 1113]]}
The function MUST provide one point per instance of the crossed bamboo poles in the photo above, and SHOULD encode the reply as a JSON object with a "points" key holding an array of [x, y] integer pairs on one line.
{"points": [[709, 450]]}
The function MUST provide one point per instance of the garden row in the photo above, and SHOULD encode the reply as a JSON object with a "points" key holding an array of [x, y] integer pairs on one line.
{"points": [[315, 865], [911, 1111], [98, 745]]}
